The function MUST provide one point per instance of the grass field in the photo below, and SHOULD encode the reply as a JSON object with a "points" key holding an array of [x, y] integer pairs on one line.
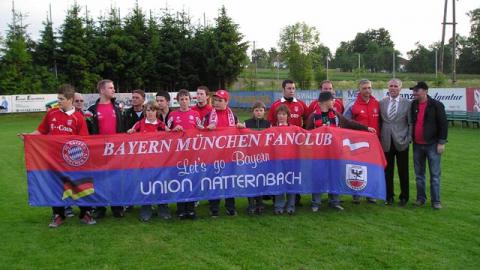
{"points": [[361, 237]]}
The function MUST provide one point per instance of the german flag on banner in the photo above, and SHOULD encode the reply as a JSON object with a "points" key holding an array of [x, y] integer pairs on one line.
{"points": [[78, 189]]}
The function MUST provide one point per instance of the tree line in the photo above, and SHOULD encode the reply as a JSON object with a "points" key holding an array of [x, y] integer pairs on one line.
{"points": [[169, 52], [142, 50]]}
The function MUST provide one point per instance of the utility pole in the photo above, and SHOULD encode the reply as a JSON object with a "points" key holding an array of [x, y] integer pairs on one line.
{"points": [[393, 65], [454, 47], [436, 63], [358, 62], [254, 55], [454, 40], [327, 66], [54, 54]]}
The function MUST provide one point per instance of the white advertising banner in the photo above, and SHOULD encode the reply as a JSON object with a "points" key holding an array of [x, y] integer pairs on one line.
{"points": [[454, 99], [33, 103], [5, 104]]}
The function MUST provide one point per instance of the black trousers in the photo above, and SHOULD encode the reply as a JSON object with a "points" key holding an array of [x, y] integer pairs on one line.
{"points": [[402, 167], [61, 211], [215, 204], [115, 209], [185, 207]]}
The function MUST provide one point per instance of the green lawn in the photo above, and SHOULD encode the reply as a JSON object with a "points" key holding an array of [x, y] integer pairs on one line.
{"points": [[362, 236]]}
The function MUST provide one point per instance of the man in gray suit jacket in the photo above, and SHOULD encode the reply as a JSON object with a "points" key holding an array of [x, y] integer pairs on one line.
{"points": [[396, 133]]}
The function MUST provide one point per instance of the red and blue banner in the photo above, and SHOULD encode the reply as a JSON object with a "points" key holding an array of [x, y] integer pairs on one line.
{"points": [[166, 167]]}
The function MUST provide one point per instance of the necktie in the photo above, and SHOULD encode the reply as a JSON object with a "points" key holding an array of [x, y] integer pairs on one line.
{"points": [[393, 109]]}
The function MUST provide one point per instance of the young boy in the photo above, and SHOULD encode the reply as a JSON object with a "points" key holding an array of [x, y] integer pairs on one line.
{"points": [[257, 122], [182, 119], [151, 123], [283, 115], [64, 120], [221, 116], [326, 115]]}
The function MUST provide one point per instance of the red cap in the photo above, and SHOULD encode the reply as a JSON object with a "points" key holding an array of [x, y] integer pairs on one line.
{"points": [[222, 94]]}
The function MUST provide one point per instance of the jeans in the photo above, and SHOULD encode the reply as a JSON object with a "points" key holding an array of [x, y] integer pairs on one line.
{"points": [[421, 153], [229, 205], [333, 199], [280, 202]]}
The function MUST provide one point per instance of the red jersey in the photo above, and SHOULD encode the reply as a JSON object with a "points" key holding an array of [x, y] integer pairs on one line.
{"points": [[143, 125], [365, 113], [422, 106], [337, 106], [107, 119], [202, 111], [188, 119], [58, 122], [298, 111], [223, 118]]}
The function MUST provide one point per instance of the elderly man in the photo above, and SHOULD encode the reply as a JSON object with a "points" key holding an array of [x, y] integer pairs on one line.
{"points": [[430, 128], [366, 111], [395, 137]]}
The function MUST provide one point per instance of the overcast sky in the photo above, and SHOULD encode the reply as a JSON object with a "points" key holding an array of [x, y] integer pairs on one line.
{"points": [[408, 21]]}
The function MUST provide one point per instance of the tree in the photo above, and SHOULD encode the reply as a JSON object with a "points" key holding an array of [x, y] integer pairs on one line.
{"points": [[111, 53], [469, 54], [73, 56], [16, 72], [422, 60], [136, 39], [376, 48], [301, 34], [260, 57], [230, 53], [46, 50], [301, 48]]}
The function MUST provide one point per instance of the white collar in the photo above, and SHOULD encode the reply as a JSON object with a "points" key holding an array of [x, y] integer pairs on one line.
{"points": [[396, 99], [283, 99], [150, 122], [70, 112]]}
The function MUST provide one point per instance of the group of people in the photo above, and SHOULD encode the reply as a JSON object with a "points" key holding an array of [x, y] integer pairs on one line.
{"points": [[397, 122]]}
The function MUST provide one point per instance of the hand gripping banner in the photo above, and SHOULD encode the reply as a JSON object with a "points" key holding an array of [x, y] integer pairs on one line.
{"points": [[166, 167]]}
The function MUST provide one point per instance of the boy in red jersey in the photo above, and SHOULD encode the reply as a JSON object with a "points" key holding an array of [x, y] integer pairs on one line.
{"points": [[283, 116], [64, 120], [151, 123], [202, 106], [179, 120], [221, 116]]}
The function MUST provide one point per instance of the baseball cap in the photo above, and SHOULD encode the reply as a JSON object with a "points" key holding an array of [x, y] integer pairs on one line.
{"points": [[420, 85], [222, 94], [324, 96]]}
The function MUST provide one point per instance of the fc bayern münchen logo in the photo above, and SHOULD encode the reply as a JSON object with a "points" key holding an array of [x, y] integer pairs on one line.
{"points": [[75, 153], [356, 176]]}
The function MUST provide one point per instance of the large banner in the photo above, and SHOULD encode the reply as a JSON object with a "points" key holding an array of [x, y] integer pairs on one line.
{"points": [[168, 167], [454, 99], [32, 103]]}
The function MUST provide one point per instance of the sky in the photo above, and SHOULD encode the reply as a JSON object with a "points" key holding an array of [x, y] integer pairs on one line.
{"points": [[408, 21]]}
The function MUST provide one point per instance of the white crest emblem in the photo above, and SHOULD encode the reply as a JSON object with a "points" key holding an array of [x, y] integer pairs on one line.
{"points": [[356, 176], [75, 153]]}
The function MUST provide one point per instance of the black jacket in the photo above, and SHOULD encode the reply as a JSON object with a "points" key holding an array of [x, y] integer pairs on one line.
{"points": [[257, 124], [130, 117], [435, 124], [93, 120]]}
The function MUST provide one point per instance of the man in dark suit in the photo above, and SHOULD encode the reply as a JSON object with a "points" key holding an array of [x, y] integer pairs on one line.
{"points": [[395, 137]]}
